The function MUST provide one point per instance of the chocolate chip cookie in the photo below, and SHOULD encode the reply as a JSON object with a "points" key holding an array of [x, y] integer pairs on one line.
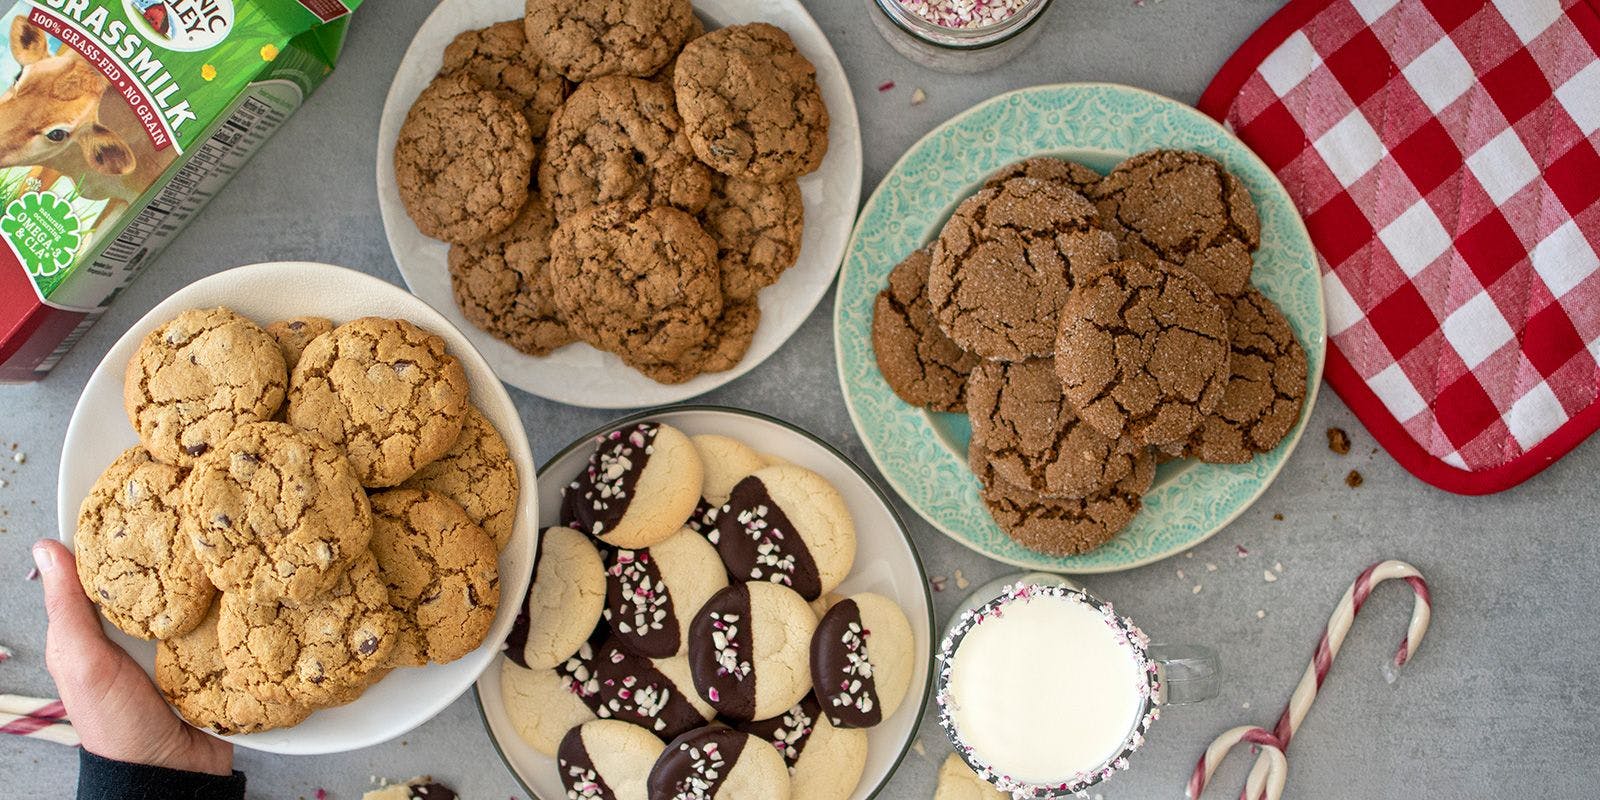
{"points": [[620, 139], [721, 351], [502, 284], [313, 653], [133, 560], [464, 160], [921, 364], [1059, 526], [478, 474], [384, 390], [294, 334], [1032, 437], [1186, 209], [757, 227], [275, 513], [442, 572], [1266, 388], [1005, 261], [499, 59], [191, 675], [1143, 351], [196, 378], [1071, 174], [750, 103], [643, 282], [587, 39]]}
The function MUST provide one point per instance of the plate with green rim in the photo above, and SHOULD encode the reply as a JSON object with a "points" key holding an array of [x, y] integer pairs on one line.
{"points": [[922, 454], [886, 563]]}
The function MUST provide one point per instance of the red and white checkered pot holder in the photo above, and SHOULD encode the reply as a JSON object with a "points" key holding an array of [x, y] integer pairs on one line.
{"points": [[1446, 157]]}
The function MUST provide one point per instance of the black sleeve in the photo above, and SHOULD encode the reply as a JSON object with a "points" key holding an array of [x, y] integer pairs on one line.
{"points": [[104, 779]]}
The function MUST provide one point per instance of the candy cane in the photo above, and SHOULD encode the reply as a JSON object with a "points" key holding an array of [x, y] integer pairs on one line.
{"points": [[1268, 775], [37, 718]]}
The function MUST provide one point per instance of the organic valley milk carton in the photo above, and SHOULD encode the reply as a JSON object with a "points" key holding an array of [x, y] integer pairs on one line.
{"points": [[119, 120]]}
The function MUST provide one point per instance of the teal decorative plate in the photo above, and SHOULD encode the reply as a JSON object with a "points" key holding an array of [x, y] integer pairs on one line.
{"points": [[922, 454]]}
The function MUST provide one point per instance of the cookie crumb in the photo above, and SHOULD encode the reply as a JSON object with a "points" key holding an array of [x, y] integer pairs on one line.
{"points": [[1261, 613], [33, 574], [916, 744], [1189, 554], [937, 582], [1196, 589], [1210, 567], [885, 86], [1246, 706], [1278, 516], [961, 580], [1354, 479], [1239, 548], [918, 96], [1180, 574], [1277, 566], [20, 457], [1269, 576], [1339, 441]]}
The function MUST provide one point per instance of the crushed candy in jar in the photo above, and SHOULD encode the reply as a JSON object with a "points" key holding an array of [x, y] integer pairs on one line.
{"points": [[964, 13]]}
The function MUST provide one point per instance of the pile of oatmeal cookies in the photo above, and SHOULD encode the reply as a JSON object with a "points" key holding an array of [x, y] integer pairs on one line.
{"points": [[683, 635], [1090, 327], [309, 506], [607, 171]]}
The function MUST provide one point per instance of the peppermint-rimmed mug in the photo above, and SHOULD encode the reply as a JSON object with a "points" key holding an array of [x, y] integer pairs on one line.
{"points": [[1119, 683]]}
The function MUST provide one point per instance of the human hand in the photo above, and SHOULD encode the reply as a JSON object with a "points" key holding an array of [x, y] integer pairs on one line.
{"points": [[112, 703]]}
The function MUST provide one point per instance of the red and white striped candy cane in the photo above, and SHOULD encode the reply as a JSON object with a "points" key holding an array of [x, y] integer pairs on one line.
{"points": [[36, 717], [1270, 772]]}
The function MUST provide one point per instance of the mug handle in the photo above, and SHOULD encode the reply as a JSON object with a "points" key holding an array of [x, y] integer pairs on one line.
{"points": [[1189, 673]]}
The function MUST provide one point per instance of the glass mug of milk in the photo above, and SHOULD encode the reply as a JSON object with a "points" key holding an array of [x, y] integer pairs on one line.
{"points": [[1045, 691]]}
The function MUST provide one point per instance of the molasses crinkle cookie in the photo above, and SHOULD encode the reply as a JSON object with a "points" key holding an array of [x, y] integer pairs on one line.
{"points": [[861, 660], [918, 361], [787, 525], [641, 484], [715, 763], [1266, 387], [748, 650]]}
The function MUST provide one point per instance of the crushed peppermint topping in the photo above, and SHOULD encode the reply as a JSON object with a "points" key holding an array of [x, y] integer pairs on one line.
{"points": [[583, 783], [646, 598], [855, 685], [772, 563], [606, 477], [791, 734], [706, 772], [724, 641], [961, 14]]}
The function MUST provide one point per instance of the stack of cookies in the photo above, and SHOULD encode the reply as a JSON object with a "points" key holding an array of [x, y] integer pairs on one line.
{"points": [[682, 637], [1090, 327], [607, 171], [309, 506]]}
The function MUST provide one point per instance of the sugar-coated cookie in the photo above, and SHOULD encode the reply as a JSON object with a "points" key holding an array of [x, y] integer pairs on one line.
{"points": [[133, 561], [748, 650], [825, 762], [477, 472], [275, 513], [386, 391], [920, 363], [652, 595], [862, 656], [641, 484], [1063, 526], [196, 378], [607, 760], [655, 694], [787, 525], [717, 763], [541, 704], [1266, 387], [957, 781], [189, 673], [443, 574], [564, 601]]}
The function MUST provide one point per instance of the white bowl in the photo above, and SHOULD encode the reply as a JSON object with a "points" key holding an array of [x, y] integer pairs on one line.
{"points": [[579, 374], [886, 563], [99, 431]]}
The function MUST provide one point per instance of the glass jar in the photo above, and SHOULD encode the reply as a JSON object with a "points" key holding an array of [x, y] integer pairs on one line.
{"points": [[956, 49]]}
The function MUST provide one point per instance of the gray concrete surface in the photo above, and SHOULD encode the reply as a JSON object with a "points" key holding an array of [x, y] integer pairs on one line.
{"points": [[1498, 703]]}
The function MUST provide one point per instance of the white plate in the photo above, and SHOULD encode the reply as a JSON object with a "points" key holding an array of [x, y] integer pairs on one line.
{"points": [[99, 431], [578, 374], [886, 563]]}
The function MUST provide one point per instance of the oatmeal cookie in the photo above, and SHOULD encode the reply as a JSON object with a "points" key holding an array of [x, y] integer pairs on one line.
{"points": [[921, 364], [587, 39], [750, 103], [1005, 261], [463, 162], [758, 228], [722, 350], [384, 390], [1143, 351], [642, 282], [196, 378], [620, 139], [1265, 391], [498, 58], [1185, 209], [275, 513], [502, 284]]}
